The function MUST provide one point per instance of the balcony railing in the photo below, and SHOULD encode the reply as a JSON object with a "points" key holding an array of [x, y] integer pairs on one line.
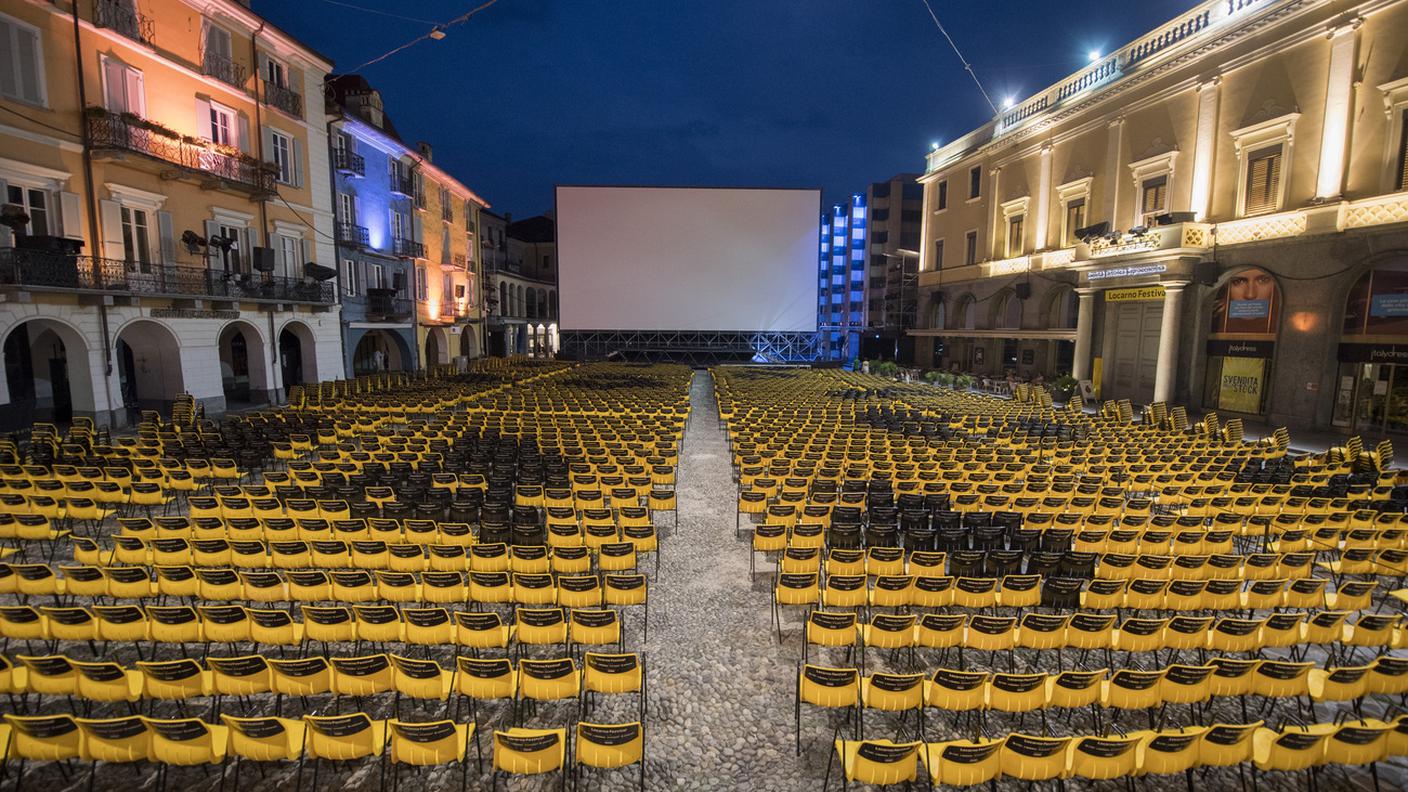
{"points": [[403, 185], [223, 69], [447, 212], [349, 162], [352, 234], [407, 248], [382, 308], [46, 270], [108, 131], [460, 260], [118, 16], [284, 98]]}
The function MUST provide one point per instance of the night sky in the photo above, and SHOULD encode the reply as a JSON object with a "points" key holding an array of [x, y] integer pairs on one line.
{"points": [[786, 93]]}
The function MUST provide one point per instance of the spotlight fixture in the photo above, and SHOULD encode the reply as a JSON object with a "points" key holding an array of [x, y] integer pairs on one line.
{"points": [[934, 145], [1094, 55], [1139, 229], [193, 241], [1007, 102], [437, 33]]}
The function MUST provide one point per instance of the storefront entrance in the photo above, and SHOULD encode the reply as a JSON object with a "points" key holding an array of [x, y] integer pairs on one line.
{"points": [[1372, 398]]}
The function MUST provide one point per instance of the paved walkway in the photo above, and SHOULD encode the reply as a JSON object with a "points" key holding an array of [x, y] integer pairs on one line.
{"points": [[721, 687]]}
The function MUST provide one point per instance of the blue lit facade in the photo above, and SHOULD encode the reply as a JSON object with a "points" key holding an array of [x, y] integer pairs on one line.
{"points": [[841, 280]]}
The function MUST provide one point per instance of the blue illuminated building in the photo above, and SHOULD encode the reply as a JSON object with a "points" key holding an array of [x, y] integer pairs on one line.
{"points": [[841, 280]]}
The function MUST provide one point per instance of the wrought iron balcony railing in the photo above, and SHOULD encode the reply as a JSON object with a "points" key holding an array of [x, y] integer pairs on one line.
{"points": [[407, 248], [284, 98], [352, 234], [223, 69], [381, 307], [43, 269], [460, 260], [108, 131], [122, 18], [403, 185], [349, 162]]}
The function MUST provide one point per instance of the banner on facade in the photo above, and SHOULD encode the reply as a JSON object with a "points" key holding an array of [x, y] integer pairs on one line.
{"points": [[1241, 383], [1373, 353], [1224, 347], [1137, 294]]}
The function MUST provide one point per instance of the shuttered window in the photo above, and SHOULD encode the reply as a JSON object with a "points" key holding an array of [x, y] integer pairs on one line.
{"points": [[1403, 152], [21, 62], [1014, 235], [1263, 180], [1075, 220], [1153, 198]]}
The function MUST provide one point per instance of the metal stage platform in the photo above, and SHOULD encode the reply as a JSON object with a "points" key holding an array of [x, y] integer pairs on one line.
{"points": [[691, 347]]}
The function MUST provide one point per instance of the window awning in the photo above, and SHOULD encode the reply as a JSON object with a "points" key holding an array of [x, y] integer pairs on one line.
{"points": [[1054, 334]]}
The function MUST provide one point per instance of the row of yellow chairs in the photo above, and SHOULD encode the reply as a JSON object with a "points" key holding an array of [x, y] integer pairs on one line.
{"points": [[1137, 755], [474, 678], [235, 624], [225, 584], [805, 589], [372, 554], [190, 742], [1099, 631]]}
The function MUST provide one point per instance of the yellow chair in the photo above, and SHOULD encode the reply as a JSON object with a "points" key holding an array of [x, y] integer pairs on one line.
{"points": [[484, 679], [309, 676], [894, 693], [1097, 758], [547, 680], [341, 738], [174, 679], [362, 676], [187, 742], [612, 674], [875, 762], [832, 688], [419, 679], [962, 763], [609, 746], [520, 751], [113, 741], [41, 738], [431, 744], [1034, 758]]}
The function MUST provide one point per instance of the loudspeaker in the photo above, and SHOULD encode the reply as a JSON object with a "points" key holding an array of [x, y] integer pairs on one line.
{"points": [[1206, 272], [398, 281], [262, 259], [1171, 218], [1024, 290]]}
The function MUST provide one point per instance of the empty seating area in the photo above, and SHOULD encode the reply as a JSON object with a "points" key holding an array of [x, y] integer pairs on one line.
{"points": [[977, 589], [388, 574]]}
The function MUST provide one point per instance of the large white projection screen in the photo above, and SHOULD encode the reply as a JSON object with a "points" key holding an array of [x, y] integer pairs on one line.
{"points": [[663, 258]]}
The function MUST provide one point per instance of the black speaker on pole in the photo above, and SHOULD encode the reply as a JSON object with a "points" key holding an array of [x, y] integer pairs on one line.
{"points": [[1024, 290], [1172, 218], [1206, 272]]}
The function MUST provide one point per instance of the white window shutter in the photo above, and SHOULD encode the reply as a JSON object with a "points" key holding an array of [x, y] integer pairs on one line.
{"points": [[417, 230], [244, 141], [27, 56], [166, 236], [297, 153], [268, 135], [262, 65], [135, 92], [202, 117], [114, 86], [212, 253], [110, 212], [69, 217]]}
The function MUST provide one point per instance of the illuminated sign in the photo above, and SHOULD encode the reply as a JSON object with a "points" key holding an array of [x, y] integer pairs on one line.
{"points": [[1127, 272]]}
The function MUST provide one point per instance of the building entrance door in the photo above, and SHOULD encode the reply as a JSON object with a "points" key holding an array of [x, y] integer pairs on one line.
{"points": [[1134, 363], [1378, 393]]}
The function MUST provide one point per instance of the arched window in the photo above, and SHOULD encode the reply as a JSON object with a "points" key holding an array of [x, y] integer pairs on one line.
{"points": [[968, 313], [504, 307], [938, 315], [1009, 312], [1064, 309]]}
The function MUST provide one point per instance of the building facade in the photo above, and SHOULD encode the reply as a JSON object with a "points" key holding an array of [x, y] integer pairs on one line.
{"points": [[406, 239], [1214, 214], [523, 275], [167, 209], [895, 217]]}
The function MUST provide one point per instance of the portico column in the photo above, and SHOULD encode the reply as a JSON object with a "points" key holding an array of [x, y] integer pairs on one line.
{"points": [[1085, 321], [1166, 375]]}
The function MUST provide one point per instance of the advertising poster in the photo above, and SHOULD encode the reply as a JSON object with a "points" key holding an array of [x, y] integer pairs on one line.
{"points": [[1241, 384]]}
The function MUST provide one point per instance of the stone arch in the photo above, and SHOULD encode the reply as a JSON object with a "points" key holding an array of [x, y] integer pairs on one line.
{"points": [[298, 355], [47, 372], [148, 357], [244, 362], [437, 346]]}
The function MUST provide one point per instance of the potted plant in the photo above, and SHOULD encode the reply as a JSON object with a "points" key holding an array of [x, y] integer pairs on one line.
{"points": [[1063, 388]]}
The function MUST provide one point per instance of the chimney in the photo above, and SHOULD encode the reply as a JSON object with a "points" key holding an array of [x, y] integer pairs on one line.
{"points": [[424, 149]]}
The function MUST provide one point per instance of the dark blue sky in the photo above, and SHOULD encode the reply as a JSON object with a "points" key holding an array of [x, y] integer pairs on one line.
{"points": [[822, 93]]}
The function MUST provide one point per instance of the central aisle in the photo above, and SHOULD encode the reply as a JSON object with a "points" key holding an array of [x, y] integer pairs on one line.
{"points": [[721, 687]]}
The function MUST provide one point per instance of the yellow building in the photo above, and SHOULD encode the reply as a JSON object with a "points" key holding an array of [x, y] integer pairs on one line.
{"points": [[449, 307], [177, 143], [1212, 214]]}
